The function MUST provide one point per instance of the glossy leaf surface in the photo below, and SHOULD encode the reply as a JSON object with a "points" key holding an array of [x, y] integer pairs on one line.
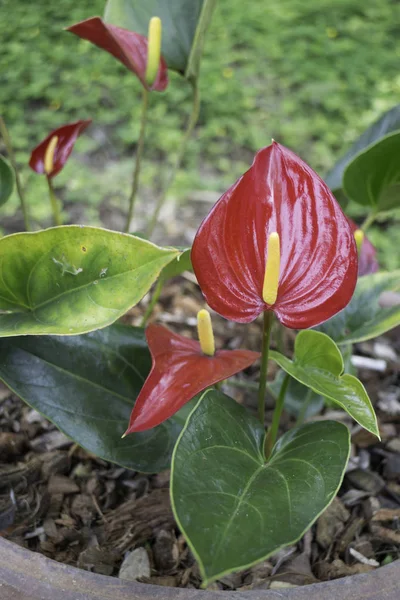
{"points": [[180, 371], [318, 364], [367, 261], [183, 21], [318, 267], [233, 508], [297, 395], [6, 181], [86, 385], [373, 177], [129, 47], [67, 136], [388, 123], [364, 319], [73, 279]]}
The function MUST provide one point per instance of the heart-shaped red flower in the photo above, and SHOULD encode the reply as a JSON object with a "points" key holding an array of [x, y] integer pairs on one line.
{"points": [[128, 47], [66, 137], [180, 371], [279, 194]]}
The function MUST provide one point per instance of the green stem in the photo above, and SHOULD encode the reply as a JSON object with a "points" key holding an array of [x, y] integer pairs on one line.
{"points": [[303, 410], [138, 159], [273, 430], [10, 152], [152, 303], [368, 221], [54, 203], [262, 386], [174, 170]]}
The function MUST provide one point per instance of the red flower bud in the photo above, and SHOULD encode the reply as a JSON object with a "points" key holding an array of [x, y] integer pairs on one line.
{"points": [[60, 142], [367, 262]]}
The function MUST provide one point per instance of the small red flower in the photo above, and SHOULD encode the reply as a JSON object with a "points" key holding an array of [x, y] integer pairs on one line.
{"points": [[128, 47], [367, 262], [64, 138], [280, 203], [180, 371]]}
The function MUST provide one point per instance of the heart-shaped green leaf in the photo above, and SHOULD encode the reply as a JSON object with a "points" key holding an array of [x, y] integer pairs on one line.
{"points": [[73, 279], [388, 123], [233, 508], [6, 181], [296, 396], [184, 25], [318, 364], [373, 177], [364, 318], [86, 385]]}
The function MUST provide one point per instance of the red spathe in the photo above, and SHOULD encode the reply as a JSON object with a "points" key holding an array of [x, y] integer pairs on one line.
{"points": [[128, 47], [67, 136], [318, 271], [180, 371]]}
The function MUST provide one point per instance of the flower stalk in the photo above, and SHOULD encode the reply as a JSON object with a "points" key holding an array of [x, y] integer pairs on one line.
{"points": [[262, 386], [194, 116], [273, 430], [138, 159], [10, 152]]}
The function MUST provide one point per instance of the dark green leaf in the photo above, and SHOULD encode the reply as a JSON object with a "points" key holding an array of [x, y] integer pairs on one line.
{"points": [[73, 279], [6, 181], [373, 177], [233, 508], [318, 364], [388, 123], [364, 318], [86, 385], [296, 395], [184, 24]]}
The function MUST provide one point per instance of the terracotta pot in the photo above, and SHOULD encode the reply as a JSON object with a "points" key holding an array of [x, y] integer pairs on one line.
{"points": [[26, 575]]}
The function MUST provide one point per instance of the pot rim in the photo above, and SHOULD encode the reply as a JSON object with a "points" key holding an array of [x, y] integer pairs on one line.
{"points": [[27, 575]]}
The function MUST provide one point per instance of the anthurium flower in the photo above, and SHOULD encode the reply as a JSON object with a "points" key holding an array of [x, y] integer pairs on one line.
{"points": [[276, 240], [181, 369], [50, 156], [130, 48], [367, 262]]}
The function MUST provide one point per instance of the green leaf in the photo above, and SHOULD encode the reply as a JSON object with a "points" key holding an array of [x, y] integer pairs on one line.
{"points": [[73, 279], [6, 181], [388, 123], [86, 385], [296, 395], [184, 24], [363, 318], [233, 508], [318, 364], [177, 266], [373, 177]]}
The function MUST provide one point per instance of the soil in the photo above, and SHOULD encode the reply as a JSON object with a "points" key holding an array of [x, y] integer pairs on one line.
{"points": [[57, 499]]}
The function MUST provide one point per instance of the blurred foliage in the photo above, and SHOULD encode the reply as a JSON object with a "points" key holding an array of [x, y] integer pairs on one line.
{"points": [[310, 74]]}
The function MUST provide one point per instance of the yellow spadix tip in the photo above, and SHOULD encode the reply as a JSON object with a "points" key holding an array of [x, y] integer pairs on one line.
{"points": [[205, 331], [272, 269], [359, 237], [153, 49], [49, 155]]}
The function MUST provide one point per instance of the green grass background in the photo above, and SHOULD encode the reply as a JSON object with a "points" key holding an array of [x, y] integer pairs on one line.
{"points": [[310, 74]]}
